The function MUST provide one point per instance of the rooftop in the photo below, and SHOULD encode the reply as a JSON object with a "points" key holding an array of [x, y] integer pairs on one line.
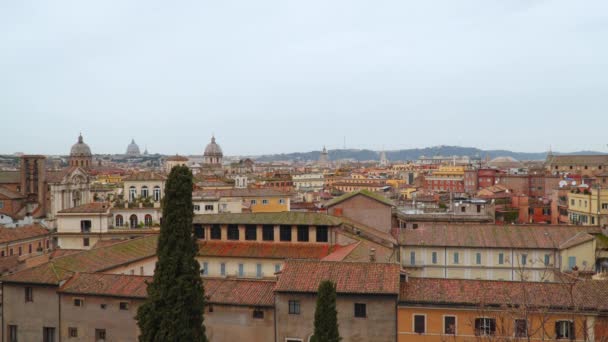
{"points": [[144, 176], [365, 193], [22, 233], [286, 218], [350, 277], [267, 250], [89, 208]]}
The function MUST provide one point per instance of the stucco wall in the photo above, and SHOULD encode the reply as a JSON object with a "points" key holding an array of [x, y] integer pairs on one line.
{"points": [[367, 211]]}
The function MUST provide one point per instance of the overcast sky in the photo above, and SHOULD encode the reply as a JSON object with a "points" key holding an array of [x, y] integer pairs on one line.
{"points": [[283, 76]]}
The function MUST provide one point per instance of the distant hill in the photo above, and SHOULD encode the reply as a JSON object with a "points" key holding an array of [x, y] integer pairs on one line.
{"points": [[411, 154]]}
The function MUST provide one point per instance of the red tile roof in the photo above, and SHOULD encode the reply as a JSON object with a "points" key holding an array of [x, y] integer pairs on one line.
{"points": [[89, 208], [495, 236], [350, 277], [240, 291], [4, 192], [100, 284], [144, 176], [584, 294], [341, 253], [266, 250], [94, 260], [22, 233]]}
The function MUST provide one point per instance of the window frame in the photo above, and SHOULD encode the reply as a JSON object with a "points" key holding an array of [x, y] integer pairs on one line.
{"points": [[571, 329], [455, 324], [360, 310], [72, 332], [516, 332], [267, 232], [232, 232], [215, 232], [29, 294], [251, 232], [294, 307], [414, 316], [322, 231], [303, 233], [484, 326], [285, 230]]}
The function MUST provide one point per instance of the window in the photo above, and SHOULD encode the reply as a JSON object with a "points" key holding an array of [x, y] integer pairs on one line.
{"points": [[285, 233], [485, 326], [456, 258], [449, 325], [277, 268], [478, 258], [415, 226], [29, 294], [12, 333], [264, 201], [103, 306], [208, 207], [132, 193], [85, 242], [241, 270], [72, 332], [463, 209], [524, 259], [547, 259], [419, 324], [233, 232], [223, 269], [216, 232], [199, 231], [294, 307], [322, 234], [78, 302], [119, 221], [100, 334], [254, 202], [501, 258], [521, 328], [148, 220], [258, 270], [20, 251], [123, 305], [258, 314], [251, 232], [571, 262], [412, 258], [360, 310], [156, 198], [434, 257], [144, 192], [281, 201], [479, 208], [564, 330], [604, 205], [85, 226], [205, 268], [133, 222], [268, 233], [196, 207], [302, 233], [48, 334]]}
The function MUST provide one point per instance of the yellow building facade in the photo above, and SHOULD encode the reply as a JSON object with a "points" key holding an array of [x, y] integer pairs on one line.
{"points": [[588, 207]]}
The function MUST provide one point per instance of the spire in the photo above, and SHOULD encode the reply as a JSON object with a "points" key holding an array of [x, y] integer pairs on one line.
{"points": [[80, 140], [132, 141]]}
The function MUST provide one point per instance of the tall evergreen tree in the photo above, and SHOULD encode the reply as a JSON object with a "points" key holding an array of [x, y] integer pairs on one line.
{"points": [[326, 315], [175, 305]]}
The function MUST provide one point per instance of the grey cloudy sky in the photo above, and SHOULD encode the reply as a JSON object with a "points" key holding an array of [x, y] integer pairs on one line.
{"points": [[280, 76]]}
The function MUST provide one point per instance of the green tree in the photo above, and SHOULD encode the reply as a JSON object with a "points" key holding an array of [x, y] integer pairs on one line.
{"points": [[326, 316], [174, 308]]}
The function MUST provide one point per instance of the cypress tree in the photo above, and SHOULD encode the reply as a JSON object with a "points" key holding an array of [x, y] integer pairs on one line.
{"points": [[326, 316], [174, 308]]}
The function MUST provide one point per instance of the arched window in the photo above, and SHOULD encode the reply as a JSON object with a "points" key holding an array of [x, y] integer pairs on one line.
{"points": [[148, 220], [156, 193], [144, 191], [132, 193], [119, 221], [133, 221]]}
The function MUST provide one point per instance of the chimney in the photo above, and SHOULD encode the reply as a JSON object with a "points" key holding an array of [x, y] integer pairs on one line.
{"points": [[372, 255]]}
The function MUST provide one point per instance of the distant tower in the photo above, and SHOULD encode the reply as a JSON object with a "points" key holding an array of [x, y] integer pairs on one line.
{"points": [[324, 158], [383, 159], [80, 154], [213, 155], [146, 151], [133, 149], [33, 179]]}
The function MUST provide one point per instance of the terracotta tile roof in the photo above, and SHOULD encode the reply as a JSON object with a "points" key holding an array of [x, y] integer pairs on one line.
{"points": [[58, 176], [579, 159], [239, 291], [92, 208], [4, 192], [495, 236], [144, 176], [251, 193], [177, 158], [267, 250], [94, 260], [100, 284], [365, 193], [286, 217], [22, 233], [341, 253], [10, 177], [585, 294], [350, 277]]}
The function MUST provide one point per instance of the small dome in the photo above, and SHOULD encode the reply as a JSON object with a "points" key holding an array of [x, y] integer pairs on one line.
{"points": [[80, 149], [505, 163], [213, 149], [133, 149]]}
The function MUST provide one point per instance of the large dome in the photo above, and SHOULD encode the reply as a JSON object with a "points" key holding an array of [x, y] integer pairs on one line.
{"points": [[80, 149], [213, 149], [505, 163], [133, 149]]}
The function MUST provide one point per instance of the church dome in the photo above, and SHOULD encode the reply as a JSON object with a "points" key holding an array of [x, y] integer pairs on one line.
{"points": [[505, 163], [133, 149], [213, 149], [80, 149]]}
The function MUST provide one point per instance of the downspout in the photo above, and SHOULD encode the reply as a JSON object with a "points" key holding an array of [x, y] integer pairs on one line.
{"points": [[59, 313], [445, 262]]}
